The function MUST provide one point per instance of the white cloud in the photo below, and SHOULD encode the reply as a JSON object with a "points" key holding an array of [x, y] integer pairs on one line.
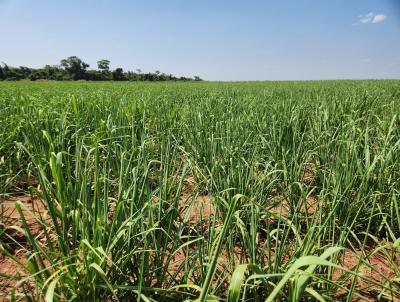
{"points": [[371, 18], [378, 18], [366, 18]]}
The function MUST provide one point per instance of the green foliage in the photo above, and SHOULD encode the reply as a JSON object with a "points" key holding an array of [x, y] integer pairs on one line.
{"points": [[297, 175], [103, 65], [118, 74], [73, 68], [2, 73]]}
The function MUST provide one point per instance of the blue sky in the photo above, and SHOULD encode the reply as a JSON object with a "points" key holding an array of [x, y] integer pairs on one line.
{"points": [[215, 39]]}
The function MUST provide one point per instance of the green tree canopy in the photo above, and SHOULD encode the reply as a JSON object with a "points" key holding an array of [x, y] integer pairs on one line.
{"points": [[103, 65], [75, 67]]}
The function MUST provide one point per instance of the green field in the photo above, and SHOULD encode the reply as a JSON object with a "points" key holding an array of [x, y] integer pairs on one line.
{"points": [[178, 191]]}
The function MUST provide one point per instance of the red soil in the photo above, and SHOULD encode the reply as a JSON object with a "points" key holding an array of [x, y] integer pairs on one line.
{"points": [[383, 263]]}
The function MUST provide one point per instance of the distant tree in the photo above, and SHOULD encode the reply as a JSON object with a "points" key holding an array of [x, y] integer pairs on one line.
{"points": [[131, 76], [12, 73], [163, 77], [51, 73], [75, 67], [149, 77], [36, 75], [2, 73], [118, 74], [24, 72], [103, 65], [93, 75], [4, 70]]}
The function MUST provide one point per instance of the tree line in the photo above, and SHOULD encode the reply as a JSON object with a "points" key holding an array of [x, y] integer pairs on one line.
{"points": [[73, 68]]}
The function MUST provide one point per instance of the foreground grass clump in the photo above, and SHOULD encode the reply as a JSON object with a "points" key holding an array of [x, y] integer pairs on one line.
{"points": [[278, 191]]}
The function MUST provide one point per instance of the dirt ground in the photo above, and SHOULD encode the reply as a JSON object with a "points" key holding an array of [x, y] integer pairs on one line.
{"points": [[381, 263], [10, 217]]}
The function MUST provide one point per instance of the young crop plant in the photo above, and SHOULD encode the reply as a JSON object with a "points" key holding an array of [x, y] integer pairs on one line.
{"points": [[200, 191]]}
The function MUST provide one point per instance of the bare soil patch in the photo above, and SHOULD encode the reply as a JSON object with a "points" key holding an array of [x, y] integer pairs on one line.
{"points": [[379, 267], [15, 241]]}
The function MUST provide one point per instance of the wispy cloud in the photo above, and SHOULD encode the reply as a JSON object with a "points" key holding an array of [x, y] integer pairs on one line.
{"points": [[371, 18], [366, 18]]}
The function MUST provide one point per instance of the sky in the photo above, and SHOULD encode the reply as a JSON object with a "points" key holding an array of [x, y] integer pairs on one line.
{"points": [[227, 40]]}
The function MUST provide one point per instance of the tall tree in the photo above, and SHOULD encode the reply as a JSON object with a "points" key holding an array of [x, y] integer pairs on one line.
{"points": [[75, 67], [103, 65]]}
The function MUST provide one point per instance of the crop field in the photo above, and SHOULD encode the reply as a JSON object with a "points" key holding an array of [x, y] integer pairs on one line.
{"points": [[200, 191]]}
